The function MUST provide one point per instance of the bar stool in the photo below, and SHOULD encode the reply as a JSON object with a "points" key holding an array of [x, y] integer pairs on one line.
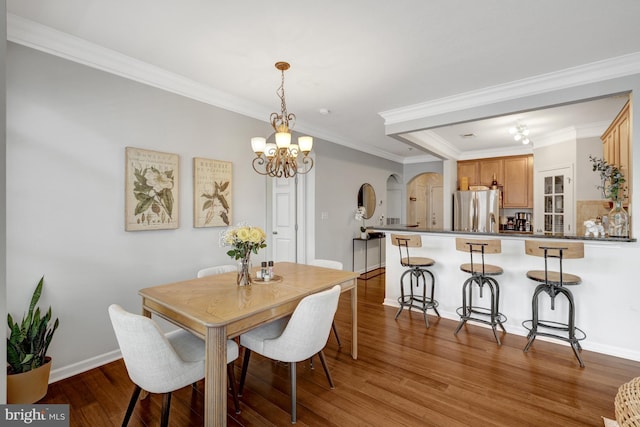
{"points": [[416, 275], [553, 283], [480, 275]]}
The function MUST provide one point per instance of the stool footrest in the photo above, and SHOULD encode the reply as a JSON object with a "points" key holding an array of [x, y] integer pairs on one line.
{"points": [[482, 311], [425, 303], [554, 326]]}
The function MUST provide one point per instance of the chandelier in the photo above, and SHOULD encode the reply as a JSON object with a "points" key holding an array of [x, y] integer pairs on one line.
{"points": [[520, 133], [281, 159]]}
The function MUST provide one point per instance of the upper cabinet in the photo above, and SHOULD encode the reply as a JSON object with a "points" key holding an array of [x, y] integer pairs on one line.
{"points": [[616, 142], [518, 182], [513, 173]]}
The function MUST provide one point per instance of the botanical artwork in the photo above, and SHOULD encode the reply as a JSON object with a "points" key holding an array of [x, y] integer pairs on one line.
{"points": [[151, 190], [211, 193]]}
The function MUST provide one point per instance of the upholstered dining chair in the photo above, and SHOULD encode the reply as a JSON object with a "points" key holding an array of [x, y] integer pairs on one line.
{"points": [[296, 338], [336, 265], [217, 269], [159, 363]]}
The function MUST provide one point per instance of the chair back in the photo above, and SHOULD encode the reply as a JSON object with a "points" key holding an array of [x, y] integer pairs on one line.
{"points": [[218, 269], [481, 246], [486, 246], [308, 329], [565, 250], [559, 250], [404, 242], [327, 263], [150, 359], [407, 240]]}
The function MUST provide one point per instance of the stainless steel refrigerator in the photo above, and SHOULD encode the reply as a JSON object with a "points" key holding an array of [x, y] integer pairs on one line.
{"points": [[477, 211]]}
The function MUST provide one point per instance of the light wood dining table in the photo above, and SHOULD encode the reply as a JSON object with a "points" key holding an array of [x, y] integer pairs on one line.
{"points": [[216, 308]]}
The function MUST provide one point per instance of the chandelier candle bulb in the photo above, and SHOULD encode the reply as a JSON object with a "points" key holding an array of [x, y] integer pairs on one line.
{"points": [[305, 143], [258, 144]]}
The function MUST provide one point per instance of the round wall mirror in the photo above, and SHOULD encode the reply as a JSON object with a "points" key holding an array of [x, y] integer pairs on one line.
{"points": [[367, 198]]}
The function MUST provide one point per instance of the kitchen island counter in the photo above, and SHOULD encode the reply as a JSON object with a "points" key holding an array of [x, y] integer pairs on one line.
{"points": [[607, 300], [413, 229]]}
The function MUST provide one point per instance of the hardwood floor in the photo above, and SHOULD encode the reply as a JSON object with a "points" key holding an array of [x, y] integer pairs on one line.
{"points": [[405, 375]]}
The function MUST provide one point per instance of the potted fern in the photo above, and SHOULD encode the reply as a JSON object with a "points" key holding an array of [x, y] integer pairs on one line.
{"points": [[28, 364]]}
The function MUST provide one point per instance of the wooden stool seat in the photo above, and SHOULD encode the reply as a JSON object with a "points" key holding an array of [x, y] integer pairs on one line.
{"points": [[417, 262], [481, 273], [554, 277], [489, 270]]}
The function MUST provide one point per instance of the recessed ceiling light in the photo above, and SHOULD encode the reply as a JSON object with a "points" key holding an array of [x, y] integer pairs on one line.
{"points": [[324, 111]]}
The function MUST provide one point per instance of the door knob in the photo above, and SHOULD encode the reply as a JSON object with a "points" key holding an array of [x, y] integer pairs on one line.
{"points": [[275, 232]]}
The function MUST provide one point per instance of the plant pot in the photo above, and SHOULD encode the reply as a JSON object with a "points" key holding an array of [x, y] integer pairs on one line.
{"points": [[29, 387], [364, 235]]}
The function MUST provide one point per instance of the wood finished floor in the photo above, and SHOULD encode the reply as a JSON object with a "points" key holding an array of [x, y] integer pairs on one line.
{"points": [[405, 375]]}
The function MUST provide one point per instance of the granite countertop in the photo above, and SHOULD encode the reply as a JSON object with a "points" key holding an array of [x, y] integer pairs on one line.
{"points": [[416, 229]]}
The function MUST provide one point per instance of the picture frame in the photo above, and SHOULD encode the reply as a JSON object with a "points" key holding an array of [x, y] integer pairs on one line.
{"points": [[151, 190], [212, 193]]}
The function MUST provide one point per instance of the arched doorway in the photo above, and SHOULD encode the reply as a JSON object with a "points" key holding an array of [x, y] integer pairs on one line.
{"points": [[394, 200], [425, 201]]}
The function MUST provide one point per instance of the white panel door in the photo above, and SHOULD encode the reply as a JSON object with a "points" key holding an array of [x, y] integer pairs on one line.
{"points": [[436, 214], [284, 220]]}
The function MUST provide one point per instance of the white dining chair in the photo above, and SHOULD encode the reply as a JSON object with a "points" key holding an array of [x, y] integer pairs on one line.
{"points": [[294, 339], [218, 269], [336, 265], [161, 364]]}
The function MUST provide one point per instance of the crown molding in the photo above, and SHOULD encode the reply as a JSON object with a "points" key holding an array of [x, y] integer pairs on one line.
{"points": [[571, 77], [46, 39]]}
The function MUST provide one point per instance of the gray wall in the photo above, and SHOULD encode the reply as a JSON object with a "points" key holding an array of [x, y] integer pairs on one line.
{"points": [[587, 180], [340, 172], [67, 129]]}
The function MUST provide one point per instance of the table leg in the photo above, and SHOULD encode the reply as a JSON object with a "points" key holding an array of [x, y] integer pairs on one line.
{"points": [[354, 319], [215, 378]]}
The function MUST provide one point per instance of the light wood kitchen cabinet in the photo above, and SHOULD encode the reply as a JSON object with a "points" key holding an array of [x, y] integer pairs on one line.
{"points": [[470, 169], [518, 182], [490, 168], [616, 145], [513, 173]]}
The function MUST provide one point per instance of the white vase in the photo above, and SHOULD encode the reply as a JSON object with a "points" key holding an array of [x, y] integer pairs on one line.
{"points": [[364, 235]]}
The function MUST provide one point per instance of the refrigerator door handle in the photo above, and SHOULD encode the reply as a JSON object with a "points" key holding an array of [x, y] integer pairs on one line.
{"points": [[474, 212]]}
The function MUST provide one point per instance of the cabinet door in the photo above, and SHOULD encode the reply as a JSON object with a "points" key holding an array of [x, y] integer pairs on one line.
{"points": [[516, 182], [490, 168], [615, 145], [470, 169]]}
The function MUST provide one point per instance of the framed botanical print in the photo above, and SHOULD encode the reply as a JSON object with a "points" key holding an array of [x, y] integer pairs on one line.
{"points": [[151, 190], [212, 204]]}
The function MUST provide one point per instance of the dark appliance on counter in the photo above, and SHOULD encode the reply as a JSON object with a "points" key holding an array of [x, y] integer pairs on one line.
{"points": [[511, 223], [477, 211], [523, 222]]}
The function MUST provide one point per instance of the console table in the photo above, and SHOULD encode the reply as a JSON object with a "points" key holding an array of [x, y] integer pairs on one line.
{"points": [[380, 238]]}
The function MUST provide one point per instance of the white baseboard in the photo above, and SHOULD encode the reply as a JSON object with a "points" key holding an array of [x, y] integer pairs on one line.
{"points": [[83, 366], [521, 331]]}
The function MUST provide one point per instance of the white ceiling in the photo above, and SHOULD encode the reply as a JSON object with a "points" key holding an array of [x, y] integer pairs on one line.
{"points": [[356, 58]]}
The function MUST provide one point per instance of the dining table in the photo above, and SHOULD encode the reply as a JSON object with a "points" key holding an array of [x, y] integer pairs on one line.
{"points": [[215, 308]]}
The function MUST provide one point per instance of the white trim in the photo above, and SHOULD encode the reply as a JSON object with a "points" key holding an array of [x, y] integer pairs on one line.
{"points": [[521, 331], [46, 39], [571, 77], [83, 366]]}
